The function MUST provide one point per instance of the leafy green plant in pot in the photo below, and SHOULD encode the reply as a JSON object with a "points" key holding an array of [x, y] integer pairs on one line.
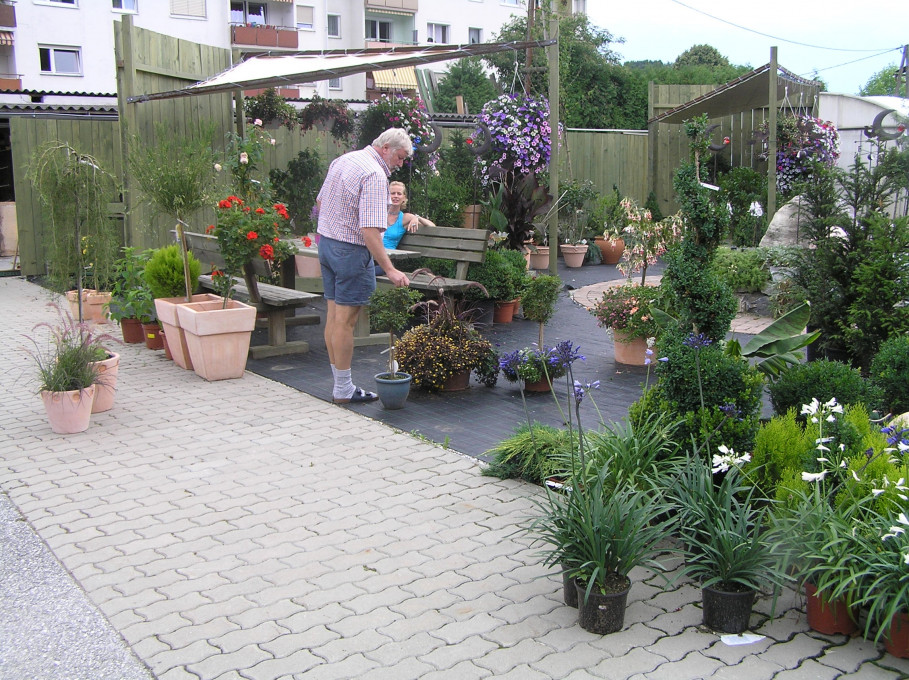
{"points": [[724, 539], [164, 274], [68, 373], [599, 533], [539, 299], [131, 302], [390, 311]]}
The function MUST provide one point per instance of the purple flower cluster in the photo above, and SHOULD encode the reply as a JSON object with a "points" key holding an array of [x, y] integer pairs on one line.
{"points": [[519, 135], [697, 341], [532, 364]]}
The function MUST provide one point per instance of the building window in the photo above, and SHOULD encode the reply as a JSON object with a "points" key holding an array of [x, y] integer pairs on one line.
{"points": [[437, 33], [125, 5], [251, 13], [334, 26], [188, 8], [334, 83], [580, 6], [72, 3], [511, 2], [474, 35], [379, 31], [305, 18], [60, 60]]}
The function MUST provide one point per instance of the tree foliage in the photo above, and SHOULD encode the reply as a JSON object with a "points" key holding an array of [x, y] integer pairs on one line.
{"points": [[701, 55], [465, 77], [881, 83]]}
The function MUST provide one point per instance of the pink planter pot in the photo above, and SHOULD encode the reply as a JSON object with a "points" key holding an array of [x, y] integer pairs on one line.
{"points": [[69, 412], [106, 386], [217, 338], [573, 255], [308, 267], [166, 309], [630, 352], [540, 258]]}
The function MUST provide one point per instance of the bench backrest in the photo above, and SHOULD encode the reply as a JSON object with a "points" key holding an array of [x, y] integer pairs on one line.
{"points": [[449, 243]]}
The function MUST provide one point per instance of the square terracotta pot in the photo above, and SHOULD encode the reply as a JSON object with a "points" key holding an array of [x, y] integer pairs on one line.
{"points": [[166, 309], [217, 338]]}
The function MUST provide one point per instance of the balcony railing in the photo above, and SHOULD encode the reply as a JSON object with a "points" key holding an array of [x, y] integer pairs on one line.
{"points": [[9, 82], [264, 36]]}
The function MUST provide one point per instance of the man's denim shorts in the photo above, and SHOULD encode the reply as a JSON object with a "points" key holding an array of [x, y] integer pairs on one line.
{"points": [[348, 273]]}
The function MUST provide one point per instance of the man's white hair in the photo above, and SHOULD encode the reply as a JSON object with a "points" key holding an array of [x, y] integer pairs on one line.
{"points": [[394, 138]]}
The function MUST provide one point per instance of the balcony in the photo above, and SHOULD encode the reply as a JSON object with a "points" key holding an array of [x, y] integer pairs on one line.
{"points": [[400, 5], [7, 16], [9, 82], [264, 36]]}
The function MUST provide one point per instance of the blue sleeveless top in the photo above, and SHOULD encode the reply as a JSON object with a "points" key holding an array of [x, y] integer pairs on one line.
{"points": [[394, 233]]}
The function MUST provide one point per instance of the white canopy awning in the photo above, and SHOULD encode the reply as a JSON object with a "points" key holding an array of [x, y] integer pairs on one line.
{"points": [[307, 67]]}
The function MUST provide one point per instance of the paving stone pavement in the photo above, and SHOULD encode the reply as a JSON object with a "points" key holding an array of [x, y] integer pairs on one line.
{"points": [[243, 530]]}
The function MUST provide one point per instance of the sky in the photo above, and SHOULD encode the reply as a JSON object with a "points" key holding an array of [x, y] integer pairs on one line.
{"points": [[869, 34]]}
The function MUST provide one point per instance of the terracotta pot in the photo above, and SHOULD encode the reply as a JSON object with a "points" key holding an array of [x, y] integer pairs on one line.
{"points": [[540, 258], [828, 617], [217, 337], [96, 304], [153, 339], [166, 309], [73, 298], [503, 312], [573, 254], [167, 353], [896, 641], [542, 385], [610, 249], [132, 331], [457, 383], [727, 612], [106, 385], [69, 412], [599, 613], [631, 352], [308, 267]]}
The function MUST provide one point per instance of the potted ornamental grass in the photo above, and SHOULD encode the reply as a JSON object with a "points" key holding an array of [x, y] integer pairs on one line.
{"points": [[390, 310], [599, 533], [724, 539]]}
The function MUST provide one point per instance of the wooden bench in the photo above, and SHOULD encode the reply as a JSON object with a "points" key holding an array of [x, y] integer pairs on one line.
{"points": [[463, 246], [276, 302]]}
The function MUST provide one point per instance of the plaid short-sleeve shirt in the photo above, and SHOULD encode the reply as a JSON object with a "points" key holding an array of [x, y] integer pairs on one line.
{"points": [[354, 196]]}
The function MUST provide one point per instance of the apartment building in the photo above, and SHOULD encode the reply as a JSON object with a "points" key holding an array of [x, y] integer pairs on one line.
{"points": [[68, 45]]}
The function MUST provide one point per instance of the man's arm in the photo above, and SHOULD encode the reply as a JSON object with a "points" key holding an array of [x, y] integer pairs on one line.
{"points": [[373, 238]]}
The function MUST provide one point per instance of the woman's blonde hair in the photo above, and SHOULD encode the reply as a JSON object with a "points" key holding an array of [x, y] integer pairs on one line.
{"points": [[403, 188]]}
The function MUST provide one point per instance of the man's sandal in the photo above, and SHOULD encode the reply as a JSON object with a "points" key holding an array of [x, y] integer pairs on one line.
{"points": [[359, 396]]}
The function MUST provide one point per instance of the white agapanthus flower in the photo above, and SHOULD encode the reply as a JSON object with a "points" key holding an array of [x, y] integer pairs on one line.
{"points": [[813, 476], [723, 462]]}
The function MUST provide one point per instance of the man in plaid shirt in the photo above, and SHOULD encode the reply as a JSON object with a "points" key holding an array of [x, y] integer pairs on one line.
{"points": [[353, 215]]}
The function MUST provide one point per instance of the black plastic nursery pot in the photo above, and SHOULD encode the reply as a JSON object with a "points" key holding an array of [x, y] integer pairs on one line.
{"points": [[599, 613], [727, 612]]}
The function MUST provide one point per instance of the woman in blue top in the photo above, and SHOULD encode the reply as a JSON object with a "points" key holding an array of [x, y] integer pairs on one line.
{"points": [[400, 222]]}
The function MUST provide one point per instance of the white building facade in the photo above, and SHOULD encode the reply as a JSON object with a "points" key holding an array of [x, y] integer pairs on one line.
{"points": [[68, 45]]}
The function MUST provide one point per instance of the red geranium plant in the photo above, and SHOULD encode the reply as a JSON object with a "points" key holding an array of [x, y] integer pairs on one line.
{"points": [[245, 232]]}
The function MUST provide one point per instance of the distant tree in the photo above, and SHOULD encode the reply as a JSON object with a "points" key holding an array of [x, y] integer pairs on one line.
{"points": [[701, 55], [882, 82], [465, 77]]}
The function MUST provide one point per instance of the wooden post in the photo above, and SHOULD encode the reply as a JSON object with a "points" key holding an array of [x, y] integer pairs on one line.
{"points": [[771, 142], [554, 139], [459, 104]]}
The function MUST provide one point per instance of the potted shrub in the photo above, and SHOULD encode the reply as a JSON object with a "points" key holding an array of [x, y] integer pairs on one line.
{"points": [[131, 302], [599, 533], [538, 300], [75, 192], [441, 353], [68, 372], [327, 115], [625, 311], [497, 277], [390, 310], [723, 538]]}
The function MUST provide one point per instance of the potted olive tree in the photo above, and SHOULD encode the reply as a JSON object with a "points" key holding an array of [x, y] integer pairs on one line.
{"points": [[390, 310]]}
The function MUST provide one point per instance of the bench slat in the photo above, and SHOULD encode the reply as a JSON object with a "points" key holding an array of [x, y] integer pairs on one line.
{"points": [[274, 296]]}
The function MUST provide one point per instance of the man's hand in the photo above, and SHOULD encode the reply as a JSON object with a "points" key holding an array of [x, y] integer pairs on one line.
{"points": [[398, 278]]}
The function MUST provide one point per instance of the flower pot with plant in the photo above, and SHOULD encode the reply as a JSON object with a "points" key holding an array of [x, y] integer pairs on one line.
{"points": [[723, 537], [607, 214], [446, 345], [68, 372], [327, 115], [539, 367], [599, 533], [625, 311], [131, 302], [390, 310], [270, 108]]}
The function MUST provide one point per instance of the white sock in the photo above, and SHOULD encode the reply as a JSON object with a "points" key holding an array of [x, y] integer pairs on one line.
{"points": [[334, 372], [344, 386]]}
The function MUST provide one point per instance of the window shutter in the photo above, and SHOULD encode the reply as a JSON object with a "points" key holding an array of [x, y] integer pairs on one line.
{"points": [[304, 15], [189, 8]]}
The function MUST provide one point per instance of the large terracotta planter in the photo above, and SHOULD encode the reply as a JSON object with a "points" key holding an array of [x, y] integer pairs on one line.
{"points": [[106, 385], [540, 258], [828, 617], [631, 352], [573, 254], [69, 412], [308, 267], [610, 249], [166, 309], [217, 338], [95, 306]]}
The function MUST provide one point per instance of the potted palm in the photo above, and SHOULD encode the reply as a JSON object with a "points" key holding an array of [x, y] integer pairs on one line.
{"points": [[723, 538], [599, 533], [390, 310]]}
